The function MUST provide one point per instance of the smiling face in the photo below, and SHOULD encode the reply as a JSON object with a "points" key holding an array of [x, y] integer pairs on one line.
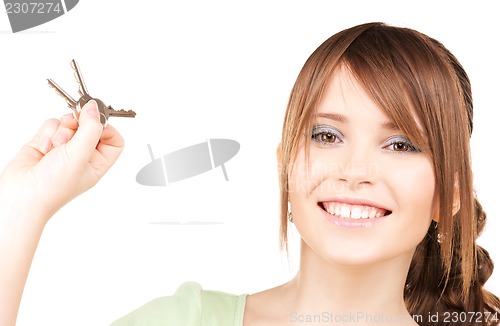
{"points": [[364, 193]]}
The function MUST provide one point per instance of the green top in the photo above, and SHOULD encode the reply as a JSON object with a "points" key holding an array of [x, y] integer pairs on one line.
{"points": [[190, 306]]}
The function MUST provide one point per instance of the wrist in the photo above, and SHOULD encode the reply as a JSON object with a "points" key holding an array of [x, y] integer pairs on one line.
{"points": [[21, 212]]}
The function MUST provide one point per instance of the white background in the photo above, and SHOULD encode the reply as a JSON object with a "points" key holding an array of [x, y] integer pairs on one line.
{"points": [[192, 71]]}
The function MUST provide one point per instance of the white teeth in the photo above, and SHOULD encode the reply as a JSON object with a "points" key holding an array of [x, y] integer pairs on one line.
{"points": [[337, 210], [345, 212], [356, 212], [353, 211]]}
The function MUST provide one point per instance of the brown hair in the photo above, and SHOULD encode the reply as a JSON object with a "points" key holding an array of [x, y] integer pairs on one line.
{"points": [[409, 74]]}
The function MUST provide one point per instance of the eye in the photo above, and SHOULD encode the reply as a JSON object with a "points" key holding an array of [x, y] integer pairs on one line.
{"points": [[401, 145], [326, 135]]}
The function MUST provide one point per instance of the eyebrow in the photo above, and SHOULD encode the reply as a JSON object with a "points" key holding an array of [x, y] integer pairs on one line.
{"points": [[343, 119]]}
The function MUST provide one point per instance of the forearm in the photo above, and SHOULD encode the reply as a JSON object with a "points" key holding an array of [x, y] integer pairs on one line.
{"points": [[20, 233]]}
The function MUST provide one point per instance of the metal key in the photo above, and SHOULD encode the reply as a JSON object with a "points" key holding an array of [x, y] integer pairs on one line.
{"points": [[69, 100], [106, 111], [84, 94], [120, 113], [76, 106]]}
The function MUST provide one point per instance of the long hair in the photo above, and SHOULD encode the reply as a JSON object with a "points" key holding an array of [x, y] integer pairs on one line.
{"points": [[413, 79]]}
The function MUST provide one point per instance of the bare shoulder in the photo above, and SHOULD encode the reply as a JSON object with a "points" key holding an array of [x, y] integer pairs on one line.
{"points": [[267, 308]]}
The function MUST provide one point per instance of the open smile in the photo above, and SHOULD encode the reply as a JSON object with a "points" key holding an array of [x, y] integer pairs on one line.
{"points": [[350, 213]]}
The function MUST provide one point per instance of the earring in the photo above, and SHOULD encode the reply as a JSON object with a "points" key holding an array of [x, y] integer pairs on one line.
{"points": [[289, 214], [439, 234]]}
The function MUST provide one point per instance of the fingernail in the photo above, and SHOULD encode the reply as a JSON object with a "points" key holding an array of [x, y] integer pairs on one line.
{"points": [[91, 108]]}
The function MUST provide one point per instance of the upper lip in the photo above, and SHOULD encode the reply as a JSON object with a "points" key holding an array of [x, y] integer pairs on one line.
{"points": [[356, 201]]}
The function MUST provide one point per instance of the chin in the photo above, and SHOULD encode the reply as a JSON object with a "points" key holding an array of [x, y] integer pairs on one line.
{"points": [[352, 251]]}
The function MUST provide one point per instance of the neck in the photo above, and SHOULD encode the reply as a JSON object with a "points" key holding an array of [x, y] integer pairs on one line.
{"points": [[364, 293]]}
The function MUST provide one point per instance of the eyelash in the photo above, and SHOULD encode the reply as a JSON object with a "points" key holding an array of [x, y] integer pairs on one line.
{"points": [[325, 131], [332, 133], [405, 142]]}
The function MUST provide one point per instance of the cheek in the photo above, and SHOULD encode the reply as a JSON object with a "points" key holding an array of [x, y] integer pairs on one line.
{"points": [[306, 177], [413, 186], [299, 175]]}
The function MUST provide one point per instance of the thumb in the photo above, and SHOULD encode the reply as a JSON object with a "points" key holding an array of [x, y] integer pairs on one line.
{"points": [[82, 145]]}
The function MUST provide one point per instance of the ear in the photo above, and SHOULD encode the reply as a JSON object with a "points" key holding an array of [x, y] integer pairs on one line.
{"points": [[435, 215], [456, 202]]}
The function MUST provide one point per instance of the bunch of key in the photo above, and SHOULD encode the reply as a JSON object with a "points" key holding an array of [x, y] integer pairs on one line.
{"points": [[76, 106]]}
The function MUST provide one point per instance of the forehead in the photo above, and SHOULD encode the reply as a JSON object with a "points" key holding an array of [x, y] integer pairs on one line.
{"points": [[344, 95]]}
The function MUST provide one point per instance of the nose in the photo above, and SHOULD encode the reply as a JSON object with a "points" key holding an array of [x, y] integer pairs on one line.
{"points": [[357, 167]]}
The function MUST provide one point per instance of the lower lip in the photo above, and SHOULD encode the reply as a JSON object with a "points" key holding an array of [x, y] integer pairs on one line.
{"points": [[352, 223]]}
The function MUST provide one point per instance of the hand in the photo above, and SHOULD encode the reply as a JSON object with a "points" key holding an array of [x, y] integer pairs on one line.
{"points": [[63, 160]]}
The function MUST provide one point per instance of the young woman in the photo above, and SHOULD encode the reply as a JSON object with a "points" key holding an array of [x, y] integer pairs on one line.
{"points": [[374, 173]]}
